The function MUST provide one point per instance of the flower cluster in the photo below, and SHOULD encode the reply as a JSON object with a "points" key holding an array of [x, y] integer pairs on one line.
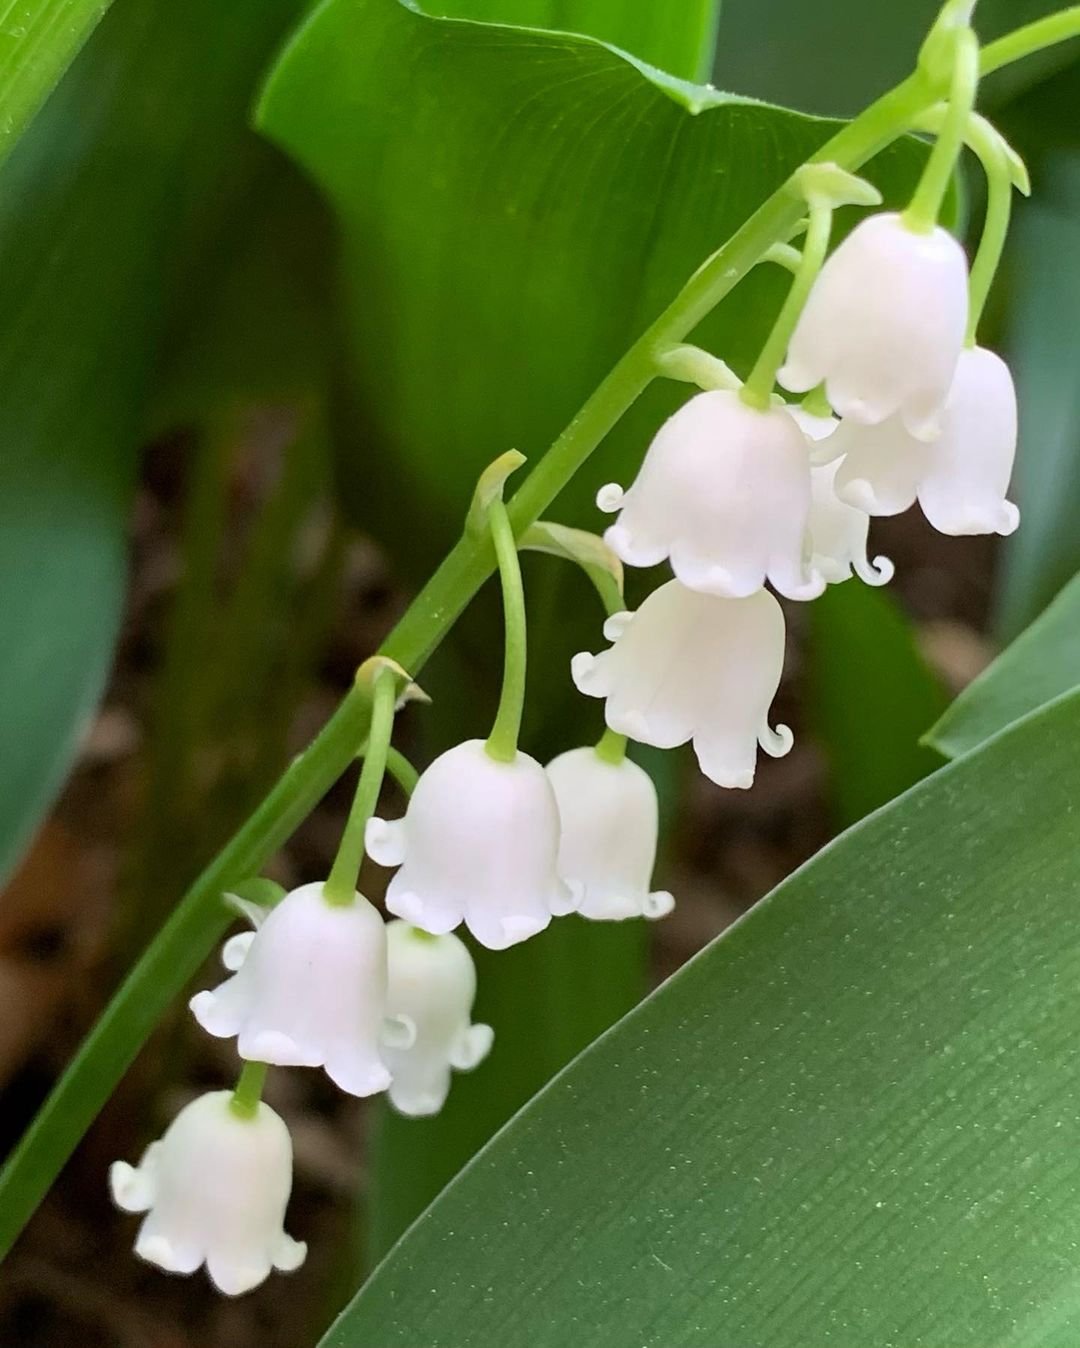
{"points": [[736, 496], [747, 496]]}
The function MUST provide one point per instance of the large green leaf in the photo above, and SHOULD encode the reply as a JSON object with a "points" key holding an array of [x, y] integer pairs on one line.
{"points": [[110, 182], [678, 36], [872, 698], [515, 208], [1041, 665], [851, 1120]]}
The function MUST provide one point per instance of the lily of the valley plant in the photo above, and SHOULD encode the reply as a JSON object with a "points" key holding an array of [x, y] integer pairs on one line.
{"points": [[870, 394]]}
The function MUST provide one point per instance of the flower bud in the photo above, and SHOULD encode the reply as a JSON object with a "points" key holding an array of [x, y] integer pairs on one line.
{"points": [[690, 666], [430, 997], [724, 492], [884, 325], [609, 819], [478, 845], [309, 990], [214, 1190]]}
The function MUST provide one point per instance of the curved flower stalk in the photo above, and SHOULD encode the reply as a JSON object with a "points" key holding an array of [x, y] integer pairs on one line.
{"points": [[308, 990], [884, 347], [214, 1189], [960, 479], [690, 666], [724, 493], [430, 995], [610, 821], [478, 844]]}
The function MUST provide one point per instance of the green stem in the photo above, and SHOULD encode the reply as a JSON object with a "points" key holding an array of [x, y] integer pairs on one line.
{"points": [[926, 205], [757, 391], [401, 770], [816, 402], [611, 747], [340, 887], [249, 1088], [503, 740], [1033, 37], [999, 191]]}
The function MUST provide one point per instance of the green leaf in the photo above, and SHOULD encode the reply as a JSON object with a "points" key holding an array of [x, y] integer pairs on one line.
{"points": [[678, 36], [851, 1120], [84, 244], [120, 178], [1045, 260], [38, 41], [872, 698], [1041, 665], [506, 240]]}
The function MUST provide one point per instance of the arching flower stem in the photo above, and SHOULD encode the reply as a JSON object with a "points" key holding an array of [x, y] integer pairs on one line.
{"points": [[999, 190], [926, 205], [757, 391], [249, 1089], [340, 887], [503, 740]]}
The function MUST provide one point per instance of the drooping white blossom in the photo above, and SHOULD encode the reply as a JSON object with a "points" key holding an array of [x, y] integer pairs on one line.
{"points": [[309, 990], [960, 479], [884, 325], [478, 844], [214, 1189], [724, 493], [610, 821], [838, 532], [691, 666], [429, 1001]]}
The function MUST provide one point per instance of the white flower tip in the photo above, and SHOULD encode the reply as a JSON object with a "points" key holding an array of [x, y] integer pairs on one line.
{"points": [[471, 1047], [290, 1254], [411, 906], [384, 841], [778, 742], [583, 672], [926, 428], [235, 949], [358, 1076], [803, 588], [158, 1250], [878, 572], [635, 725], [610, 498], [131, 1189], [234, 1277], [273, 1047], [416, 1104], [860, 494], [615, 626], [965, 522], [566, 898], [1008, 519], [796, 378], [657, 904], [398, 1032], [213, 1014]]}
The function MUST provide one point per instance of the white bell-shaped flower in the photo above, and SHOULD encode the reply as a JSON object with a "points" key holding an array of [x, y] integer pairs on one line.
{"points": [[964, 489], [429, 1003], [309, 990], [724, 493], [884, 325], [478, 844], [838, 532], [690, 666], [960, 479], [214, 1189], [610, 822]]}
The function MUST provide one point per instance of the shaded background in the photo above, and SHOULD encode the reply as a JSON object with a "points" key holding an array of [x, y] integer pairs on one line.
{"points": [[249, 596]]}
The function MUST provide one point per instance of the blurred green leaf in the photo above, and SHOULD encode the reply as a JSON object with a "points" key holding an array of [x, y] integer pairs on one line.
{"points": [[515, 208], [1040, 666], [872, 698], [834, 56], [851, 1120], [1044, 267], [108, 185]]}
